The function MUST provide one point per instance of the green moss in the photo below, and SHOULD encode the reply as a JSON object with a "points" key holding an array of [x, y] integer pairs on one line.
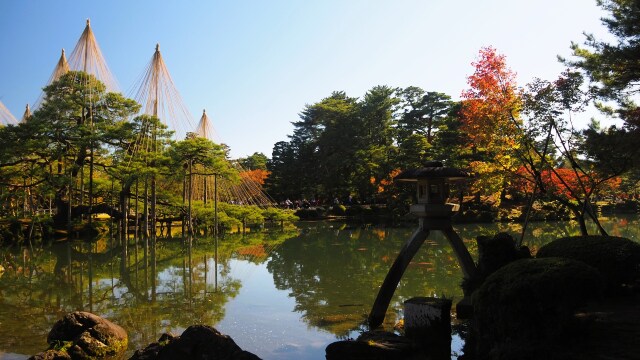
{"points": [[617, 258], [61, 345]]}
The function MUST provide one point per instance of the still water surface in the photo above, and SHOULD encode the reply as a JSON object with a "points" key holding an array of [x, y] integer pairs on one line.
{"points": [[284, 295]]}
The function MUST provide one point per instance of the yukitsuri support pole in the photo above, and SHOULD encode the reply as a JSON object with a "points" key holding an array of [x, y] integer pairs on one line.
{"points": [[184, 201], [190, 229], [136, 221], [215, 228], [154, 199], [215, 206], [204, 201], [69, 197], [394, 275]]}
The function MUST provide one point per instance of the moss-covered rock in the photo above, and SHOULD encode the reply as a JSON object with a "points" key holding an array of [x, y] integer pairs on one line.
{"points": [[83, 335], [617, 258], [524, 306]]}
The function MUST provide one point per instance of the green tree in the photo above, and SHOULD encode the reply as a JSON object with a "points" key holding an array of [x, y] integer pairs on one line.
{"points": [[552, 149], [422, 113], [139, 158], [283, 183], [199, 156], [613, 69], [257, 161], [375, 153], [337, 143], [451, 144], [74, 127]]}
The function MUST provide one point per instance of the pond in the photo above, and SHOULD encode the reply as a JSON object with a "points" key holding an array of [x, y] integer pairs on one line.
{"points": [[282, 295]]}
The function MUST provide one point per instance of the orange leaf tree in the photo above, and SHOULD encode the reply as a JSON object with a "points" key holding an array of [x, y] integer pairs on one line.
{"points": [[553, 151], [489, 108]]}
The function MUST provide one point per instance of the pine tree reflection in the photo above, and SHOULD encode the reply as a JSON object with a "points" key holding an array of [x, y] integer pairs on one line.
{"points": [[79, 276]]}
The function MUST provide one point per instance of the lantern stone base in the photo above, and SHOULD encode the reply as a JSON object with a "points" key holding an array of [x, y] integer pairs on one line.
{"points": [[427, 322]]}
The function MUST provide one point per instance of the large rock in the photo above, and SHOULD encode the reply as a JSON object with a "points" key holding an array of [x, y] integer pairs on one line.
{"points": [[196, 342], [82, 335]]}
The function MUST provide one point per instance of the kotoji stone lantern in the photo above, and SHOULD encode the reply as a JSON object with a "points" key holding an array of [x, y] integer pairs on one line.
{"points": [[432, 189], [434, 213]]}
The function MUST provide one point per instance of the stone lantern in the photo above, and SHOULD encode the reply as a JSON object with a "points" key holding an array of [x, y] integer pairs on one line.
{"points": [[432, 189], [434, 213]]}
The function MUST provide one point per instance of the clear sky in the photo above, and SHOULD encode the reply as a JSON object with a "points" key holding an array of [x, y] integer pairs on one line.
{"points": [[254, 64]]}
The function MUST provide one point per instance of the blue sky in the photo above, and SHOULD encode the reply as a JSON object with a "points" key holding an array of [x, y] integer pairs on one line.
{"points": [[254, 64]]}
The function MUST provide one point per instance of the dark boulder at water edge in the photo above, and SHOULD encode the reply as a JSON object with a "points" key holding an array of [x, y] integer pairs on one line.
{"points": [[82, 335], [196, 342]]}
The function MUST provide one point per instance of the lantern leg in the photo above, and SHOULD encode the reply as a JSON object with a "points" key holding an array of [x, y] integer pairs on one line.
{"points": [[465, 260], [394, 275]]}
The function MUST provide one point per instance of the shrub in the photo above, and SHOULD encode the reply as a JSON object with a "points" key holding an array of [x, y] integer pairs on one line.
{"points": [[310, 214], [617, 258], [338, 210], [355, 210], [362, 211], [529, 303]]}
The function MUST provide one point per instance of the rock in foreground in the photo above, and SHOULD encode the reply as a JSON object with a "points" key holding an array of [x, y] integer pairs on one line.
{"points": [[196, 342], [82, 335]]}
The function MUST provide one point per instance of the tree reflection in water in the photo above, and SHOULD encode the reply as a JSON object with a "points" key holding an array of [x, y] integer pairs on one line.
{"points": [[334, 275], [331, 271], [172, 288]]}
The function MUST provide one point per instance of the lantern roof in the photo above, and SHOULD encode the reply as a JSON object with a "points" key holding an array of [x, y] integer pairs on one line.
{"points": [[432, 170]]}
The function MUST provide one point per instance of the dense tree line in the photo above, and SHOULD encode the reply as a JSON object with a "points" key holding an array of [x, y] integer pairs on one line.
{"points": [[520, 142], [344, 146]]}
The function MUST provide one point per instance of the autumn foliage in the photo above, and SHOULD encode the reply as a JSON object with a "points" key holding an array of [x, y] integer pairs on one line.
{"points": [[490, 103], [257, 176], [489, 117], [567, 184], [386, 183]]}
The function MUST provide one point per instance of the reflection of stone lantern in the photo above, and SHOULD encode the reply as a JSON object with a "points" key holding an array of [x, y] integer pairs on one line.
{"points": [[434, 213]]}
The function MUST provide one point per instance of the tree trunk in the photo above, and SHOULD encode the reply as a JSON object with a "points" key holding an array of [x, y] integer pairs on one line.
{"points": [[588, 208], [580, 218]]}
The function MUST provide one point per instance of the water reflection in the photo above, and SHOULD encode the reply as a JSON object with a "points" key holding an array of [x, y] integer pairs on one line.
{"points": [[334, 273], [327, 274], [148, 291]]}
